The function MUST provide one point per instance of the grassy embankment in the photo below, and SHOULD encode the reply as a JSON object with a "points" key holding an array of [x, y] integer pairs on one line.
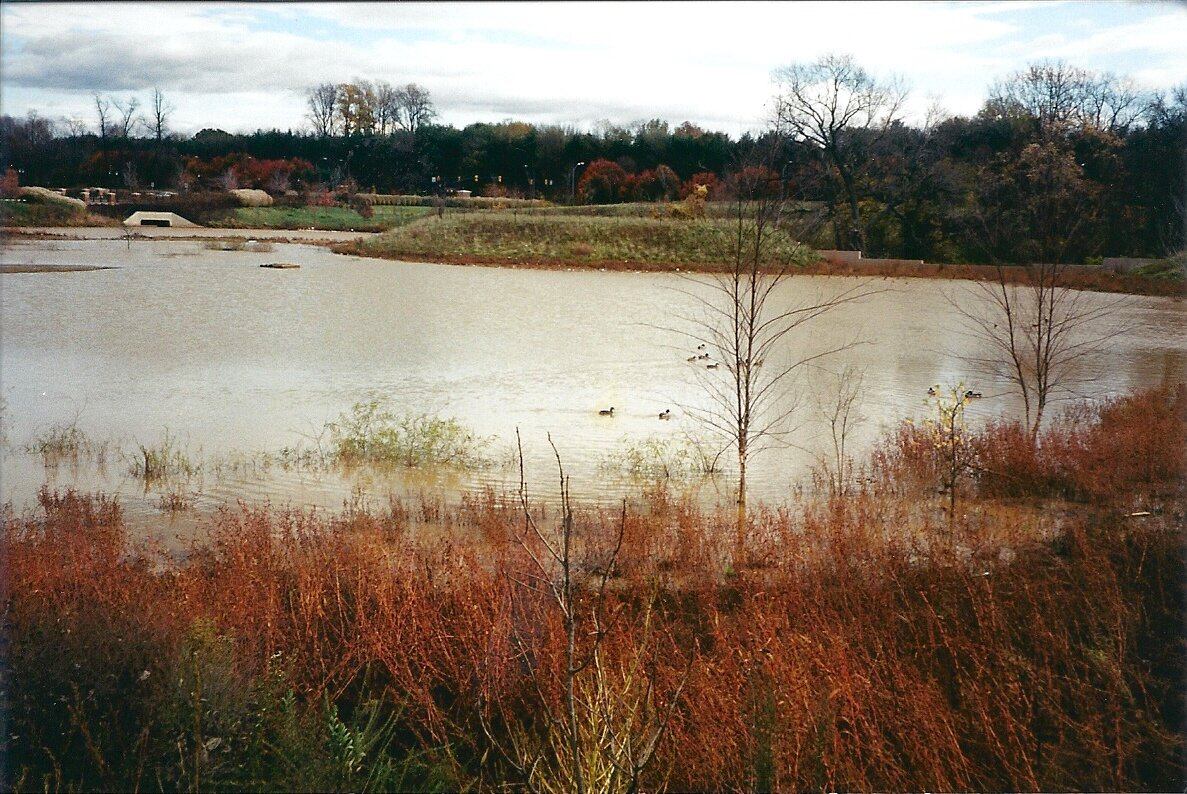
{"points": [[545, 239], [1033, 641], [17, 214], [324, 218], [624, 238]]}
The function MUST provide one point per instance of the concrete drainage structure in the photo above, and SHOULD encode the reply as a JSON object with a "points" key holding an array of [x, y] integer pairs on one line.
{"points": [[165, 219]]}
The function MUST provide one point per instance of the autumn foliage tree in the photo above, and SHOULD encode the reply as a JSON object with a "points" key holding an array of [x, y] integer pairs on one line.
{"points": [[10, 184], [247, 171], [602, 182]]}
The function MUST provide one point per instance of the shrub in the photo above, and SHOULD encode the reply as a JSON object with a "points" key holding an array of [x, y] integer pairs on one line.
{"points": [[164, 459], [372, 433], [59, 442], [298, 650]]}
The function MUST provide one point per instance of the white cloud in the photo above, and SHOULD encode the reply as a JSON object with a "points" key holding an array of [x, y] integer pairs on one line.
{"points": [[555, 61]]}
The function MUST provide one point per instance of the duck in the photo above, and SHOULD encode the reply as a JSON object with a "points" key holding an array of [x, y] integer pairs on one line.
{"points": [[693, 358], [713, 365], [701, 346], [972, 394], [607, 411], [703, 356], [666, 413], [932, 391]]}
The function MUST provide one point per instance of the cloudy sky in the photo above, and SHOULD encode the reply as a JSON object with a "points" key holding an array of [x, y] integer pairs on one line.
{"points": [[248, 66]]}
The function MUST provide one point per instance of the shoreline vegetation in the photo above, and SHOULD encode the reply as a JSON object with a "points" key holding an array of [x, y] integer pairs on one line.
{"points": [[627, 237], [871, 638]]}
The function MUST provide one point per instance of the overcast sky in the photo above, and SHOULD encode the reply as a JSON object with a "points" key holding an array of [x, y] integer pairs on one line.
{"points": [[247, 66]]}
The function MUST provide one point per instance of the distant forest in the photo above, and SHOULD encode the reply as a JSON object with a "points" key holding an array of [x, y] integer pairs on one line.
{"points": [[1059, 164]]}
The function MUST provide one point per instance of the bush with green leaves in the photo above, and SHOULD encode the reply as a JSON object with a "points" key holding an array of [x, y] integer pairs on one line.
{"points": [[656, 458], [371, 432]]}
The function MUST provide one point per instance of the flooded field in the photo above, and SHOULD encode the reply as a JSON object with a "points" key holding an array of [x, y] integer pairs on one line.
{"points": [[240, 366]]}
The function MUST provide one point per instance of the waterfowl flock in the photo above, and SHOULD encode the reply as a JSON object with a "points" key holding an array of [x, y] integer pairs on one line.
{"points": [[664, 414], [932, 391]]}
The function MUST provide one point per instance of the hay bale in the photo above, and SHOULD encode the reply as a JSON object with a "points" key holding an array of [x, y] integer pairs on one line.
{"points": [[47, 196], [250, 197]]}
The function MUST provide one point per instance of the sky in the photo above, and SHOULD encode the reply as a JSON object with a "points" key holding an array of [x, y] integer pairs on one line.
{"points": [[247, 66]]}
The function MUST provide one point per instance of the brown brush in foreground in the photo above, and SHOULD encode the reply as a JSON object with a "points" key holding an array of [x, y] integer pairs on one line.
{"points": [[1032, 642]]}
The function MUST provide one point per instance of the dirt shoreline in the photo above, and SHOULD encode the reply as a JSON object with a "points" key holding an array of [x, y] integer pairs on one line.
{"points": [[1090, 280]]}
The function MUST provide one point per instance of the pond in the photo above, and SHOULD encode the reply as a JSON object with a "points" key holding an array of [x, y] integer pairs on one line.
{"points": [[231, 360]]}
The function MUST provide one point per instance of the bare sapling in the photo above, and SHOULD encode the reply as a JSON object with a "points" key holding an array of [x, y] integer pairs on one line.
{"points": [[838, 400], [1037, 333], [752, 325], [610, 722], [948, 433]]}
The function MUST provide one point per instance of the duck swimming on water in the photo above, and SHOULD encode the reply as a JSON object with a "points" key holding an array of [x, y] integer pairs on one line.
{"points": [[666, 413], [607, 411]]}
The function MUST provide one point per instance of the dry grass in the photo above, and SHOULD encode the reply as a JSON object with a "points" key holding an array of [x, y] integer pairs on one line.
{"points": [[1030, 645]]}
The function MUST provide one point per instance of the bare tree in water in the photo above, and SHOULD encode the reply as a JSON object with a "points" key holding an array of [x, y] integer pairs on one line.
{"points": [[749, 325], [1033, 331]]}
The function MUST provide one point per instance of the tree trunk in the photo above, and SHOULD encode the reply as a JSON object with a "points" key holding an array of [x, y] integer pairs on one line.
{"points": [[855, 233], [740, 529]]}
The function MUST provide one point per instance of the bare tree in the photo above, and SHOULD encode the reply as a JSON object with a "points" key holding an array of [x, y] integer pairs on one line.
{"points": [[323, 106], [1113, 103], [160, 110], [38, 130], [127, 116], [1060, 95], [416, 107], [834, 104], [1050, 91], [387, 107], [747, 321], [103, 110], [75, 126], [1034, 331], [837, 401]]}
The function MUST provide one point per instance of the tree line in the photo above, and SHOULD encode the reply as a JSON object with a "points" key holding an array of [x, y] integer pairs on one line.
{"points": [[1059, 164]]}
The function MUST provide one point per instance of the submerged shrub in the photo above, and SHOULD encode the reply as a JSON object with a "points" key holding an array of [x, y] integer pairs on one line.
{"points": [[60, 442], [372, 433], [164, 459], [659, 458]]}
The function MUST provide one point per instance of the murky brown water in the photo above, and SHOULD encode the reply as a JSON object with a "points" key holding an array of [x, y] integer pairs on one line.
{"points": [[232, 359]]}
